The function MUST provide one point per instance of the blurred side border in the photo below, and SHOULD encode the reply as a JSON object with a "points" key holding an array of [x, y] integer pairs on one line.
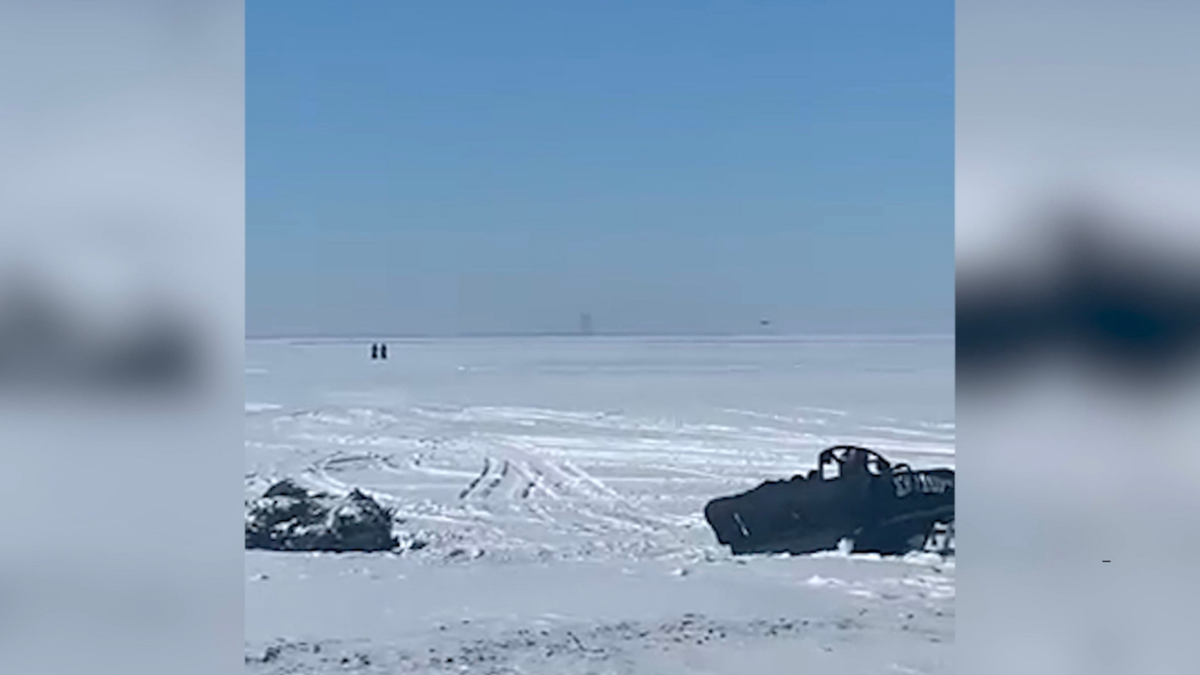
{"points": [[1078, 328], [122, 183]]}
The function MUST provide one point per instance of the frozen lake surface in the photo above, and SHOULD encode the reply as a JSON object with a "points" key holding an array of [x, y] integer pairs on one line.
{"points": [[549, 494]]}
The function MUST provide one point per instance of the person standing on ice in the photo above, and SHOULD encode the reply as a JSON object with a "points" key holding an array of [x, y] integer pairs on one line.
{"points": [[383, 350], [374, 351]]}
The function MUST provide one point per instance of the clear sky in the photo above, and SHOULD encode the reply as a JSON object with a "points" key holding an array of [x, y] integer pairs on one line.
{"points": [[670, 167]]}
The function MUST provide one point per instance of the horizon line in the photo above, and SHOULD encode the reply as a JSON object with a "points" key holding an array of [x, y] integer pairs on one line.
{"points": [[583, 336]]}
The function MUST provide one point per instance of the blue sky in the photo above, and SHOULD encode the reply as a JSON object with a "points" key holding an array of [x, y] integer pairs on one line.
{"points": [[451, 167]]}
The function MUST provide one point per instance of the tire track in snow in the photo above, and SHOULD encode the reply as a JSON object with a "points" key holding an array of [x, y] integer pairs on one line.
{"points": [[319, 476], [487, 466], [496, 479], [415, 464]]}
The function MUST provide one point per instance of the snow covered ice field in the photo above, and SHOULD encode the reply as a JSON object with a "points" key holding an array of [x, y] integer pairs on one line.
{"points": [[549, 497]]}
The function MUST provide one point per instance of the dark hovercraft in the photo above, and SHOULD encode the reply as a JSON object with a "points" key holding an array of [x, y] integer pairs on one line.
{"points": [[854, 494]]}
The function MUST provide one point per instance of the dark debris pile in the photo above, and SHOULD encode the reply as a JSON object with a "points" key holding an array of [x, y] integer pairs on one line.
{"points": [[290, 518]]}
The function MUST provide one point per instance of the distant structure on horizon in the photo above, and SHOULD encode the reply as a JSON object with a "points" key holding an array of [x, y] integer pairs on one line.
{"points": [[585, 324]]}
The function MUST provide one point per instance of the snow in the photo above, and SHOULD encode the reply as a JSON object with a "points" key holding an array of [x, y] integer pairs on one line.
{"points": [[549, 496], [254, 407]]}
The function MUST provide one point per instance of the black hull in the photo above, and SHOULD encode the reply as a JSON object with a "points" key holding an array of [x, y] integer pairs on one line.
{"points": [[889, 514]]}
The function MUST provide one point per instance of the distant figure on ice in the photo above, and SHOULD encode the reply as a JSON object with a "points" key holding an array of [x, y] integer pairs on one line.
{"points": [[383, 351], [374, 351]]}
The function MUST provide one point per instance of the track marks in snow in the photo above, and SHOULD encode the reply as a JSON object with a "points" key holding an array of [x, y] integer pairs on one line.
{"points": [[466, 492], [495, 481], [600, 482], [584, 477], [492, 475]]}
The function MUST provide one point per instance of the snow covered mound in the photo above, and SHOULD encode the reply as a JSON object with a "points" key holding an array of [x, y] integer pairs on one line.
{"points": [[289, 518]]}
